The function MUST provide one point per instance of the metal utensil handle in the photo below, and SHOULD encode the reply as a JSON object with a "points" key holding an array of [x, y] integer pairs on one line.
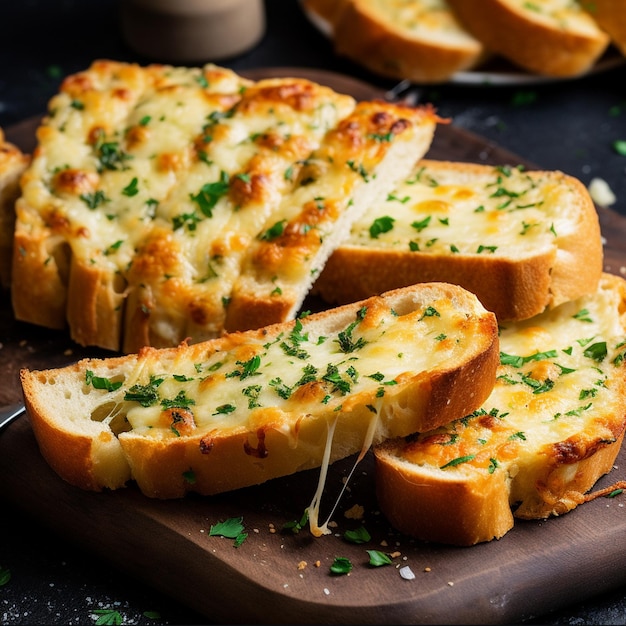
{"points": [[10, 413]]}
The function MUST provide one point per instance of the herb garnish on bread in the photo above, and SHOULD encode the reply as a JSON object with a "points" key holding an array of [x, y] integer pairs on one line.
{"points": [[521, 240], [551, 428], [247, 407]]}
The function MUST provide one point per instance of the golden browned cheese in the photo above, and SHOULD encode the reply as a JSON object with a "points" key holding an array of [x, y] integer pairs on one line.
{"points": [[551, 427], [149, 185]]}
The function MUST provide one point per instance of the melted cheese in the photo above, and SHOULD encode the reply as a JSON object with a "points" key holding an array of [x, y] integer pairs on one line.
{"points": [[428, 19], [181, 168], [497, 212]]}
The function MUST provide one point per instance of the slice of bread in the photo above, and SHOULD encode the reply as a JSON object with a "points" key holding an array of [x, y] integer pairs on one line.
{"points": [[610, 15], [13, 162], [552, 426], [248, 407], [421, 41], [521, 240], [149, 184], [556, 38], [359, 163]]}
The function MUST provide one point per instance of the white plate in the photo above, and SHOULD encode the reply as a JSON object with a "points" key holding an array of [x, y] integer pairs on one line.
{"points": [[497, 71]]}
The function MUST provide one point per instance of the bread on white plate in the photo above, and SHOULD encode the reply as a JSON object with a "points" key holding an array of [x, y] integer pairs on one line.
{"points": [[421, 41], [555, 38], [611, 17], [551, 428], [149, 185], [522, 240]]}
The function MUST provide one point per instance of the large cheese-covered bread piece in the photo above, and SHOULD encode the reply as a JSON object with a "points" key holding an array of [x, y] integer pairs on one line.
{"points": [[420, 40], [13, 162], [149, 184], [552, 426], [250, 406], [521, 240], [556, 38]]}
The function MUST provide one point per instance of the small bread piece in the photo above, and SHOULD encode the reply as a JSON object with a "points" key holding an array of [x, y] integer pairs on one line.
{"points": [[551, 428], [522, 241], [247, 407], [556, 38], [13, 162], [421, 41], [610, 15], [359, 163]]}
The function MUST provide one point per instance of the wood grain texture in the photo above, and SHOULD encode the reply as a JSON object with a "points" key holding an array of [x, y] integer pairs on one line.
{"points": [[535, 568]]}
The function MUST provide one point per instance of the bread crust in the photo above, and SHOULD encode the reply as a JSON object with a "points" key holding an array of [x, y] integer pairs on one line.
{"points": [[369, 33], [514, 285], [13, 162], [611, 17], [560, 42], [452, 377], [538, 471]]}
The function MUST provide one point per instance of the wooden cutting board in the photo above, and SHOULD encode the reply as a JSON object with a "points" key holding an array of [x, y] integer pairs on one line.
{"points": [[282, 577]]}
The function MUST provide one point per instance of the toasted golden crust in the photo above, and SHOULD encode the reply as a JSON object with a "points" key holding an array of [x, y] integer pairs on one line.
{"points": [[552, 426], [418, 41], [522, 241], [611, 17], [247, 407], [13, 162], [552, 39]]}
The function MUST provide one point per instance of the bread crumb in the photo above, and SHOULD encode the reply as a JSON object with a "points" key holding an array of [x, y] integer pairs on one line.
{"points": [[302, 565], [427, 569], [272, 528], [384, 542], [394, 555], [355, 512], [317, 563], [601, 193], [450, 583]]}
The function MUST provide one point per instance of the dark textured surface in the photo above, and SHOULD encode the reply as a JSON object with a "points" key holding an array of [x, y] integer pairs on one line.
{"points": [[568, 125]]}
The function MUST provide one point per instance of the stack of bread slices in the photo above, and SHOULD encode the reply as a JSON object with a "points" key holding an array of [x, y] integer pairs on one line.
{"points": [[428, 41], [473, 340]]}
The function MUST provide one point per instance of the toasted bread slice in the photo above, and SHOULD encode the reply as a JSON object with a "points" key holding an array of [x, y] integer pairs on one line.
{"points": [[552, 426], [556, 38], [521, 240], [360, 161], [610, 15], [150, 183], [421, 41], [13, 162], [248, 407]]}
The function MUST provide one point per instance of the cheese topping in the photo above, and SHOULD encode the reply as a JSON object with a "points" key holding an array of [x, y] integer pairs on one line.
{"points": [[297, 373], [505, 212]]}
